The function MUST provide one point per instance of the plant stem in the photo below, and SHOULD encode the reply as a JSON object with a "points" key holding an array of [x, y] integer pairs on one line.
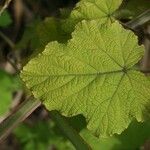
{"points": [[139, 20], [25, 109], [7, 2], [135, 22], [145, 71], [69, 132], [9, 42]]}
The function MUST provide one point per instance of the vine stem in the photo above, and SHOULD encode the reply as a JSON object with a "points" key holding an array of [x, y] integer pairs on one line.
{"points": [[9, 42], [139, 20], [26, 108], [69, 132], [145, 71], [135, 22], [23, 111]]}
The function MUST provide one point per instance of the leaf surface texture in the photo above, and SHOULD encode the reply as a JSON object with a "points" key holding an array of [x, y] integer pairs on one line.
{"points": [[93, 75]]}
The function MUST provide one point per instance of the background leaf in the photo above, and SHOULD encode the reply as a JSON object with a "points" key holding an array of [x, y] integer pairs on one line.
{"points": [[5, 19], [131, 139], [91, 9], [32, 138], [39, 33]]}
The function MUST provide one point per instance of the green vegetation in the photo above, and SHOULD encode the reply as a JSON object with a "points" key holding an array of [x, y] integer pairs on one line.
{"points": [[75, 68]]}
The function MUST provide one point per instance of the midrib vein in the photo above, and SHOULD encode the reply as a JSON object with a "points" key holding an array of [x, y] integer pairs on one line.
{"points": [[78, 74]]}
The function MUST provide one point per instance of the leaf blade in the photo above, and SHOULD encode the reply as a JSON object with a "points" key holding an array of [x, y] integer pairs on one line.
{"points": [[89, 77]]}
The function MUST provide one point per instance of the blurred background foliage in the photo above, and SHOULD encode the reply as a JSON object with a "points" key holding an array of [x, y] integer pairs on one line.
{"points": [[5, 19], [25, 28]]}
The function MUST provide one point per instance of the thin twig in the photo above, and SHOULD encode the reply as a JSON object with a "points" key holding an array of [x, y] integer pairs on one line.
{"points": [[145, 71], [6, 39], [17, 71], [139, 20], [7, 2]]}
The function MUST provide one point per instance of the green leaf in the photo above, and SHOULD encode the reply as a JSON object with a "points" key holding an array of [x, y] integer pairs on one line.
{"points": [[5, 19], [29, 38], [134, 137], [92, 75], [7, 86], [102, 143], [131, 139], [39, 33], [50, 30], [92, 9]]}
